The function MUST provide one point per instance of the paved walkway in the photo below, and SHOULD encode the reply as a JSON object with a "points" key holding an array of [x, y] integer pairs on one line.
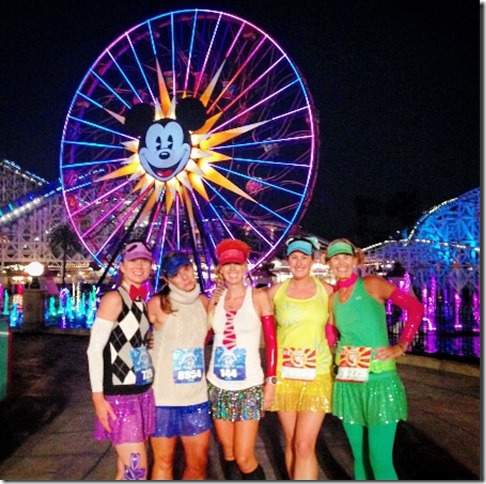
{"points": [[46, 423]]}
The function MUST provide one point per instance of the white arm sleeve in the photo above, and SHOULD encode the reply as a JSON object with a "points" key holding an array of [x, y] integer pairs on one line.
{"points": [[100, 334]]}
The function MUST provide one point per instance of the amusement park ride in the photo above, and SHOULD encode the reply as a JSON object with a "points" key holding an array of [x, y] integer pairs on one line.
{"points": [[195, 126], [191, 127]]}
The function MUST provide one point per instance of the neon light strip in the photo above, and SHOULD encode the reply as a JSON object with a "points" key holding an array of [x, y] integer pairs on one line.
{"points": [[239, 214], [141, 69], [260, 143], [101, 128], [104, 195], [122, 72], [178, 222], [174, 79], [275, 163], [122, 223], [191, 47], [77, 187], [158, 207], [92, 101], [104, 217], [162, 248], [151, 36], [94, 163], [238, 72], [261, 182], [250, 86], [208, 52], [254, 106], [95, 145], [109, 88]]}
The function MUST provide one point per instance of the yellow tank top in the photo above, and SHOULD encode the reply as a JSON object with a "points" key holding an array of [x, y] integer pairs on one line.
{"points": [[300, 329]]}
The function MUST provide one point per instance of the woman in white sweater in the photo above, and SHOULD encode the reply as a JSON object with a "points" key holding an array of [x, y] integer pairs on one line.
{"points": [[178, 313]]}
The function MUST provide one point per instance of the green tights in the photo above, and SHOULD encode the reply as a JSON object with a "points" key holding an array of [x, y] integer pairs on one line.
{"points": [[381, 439]]}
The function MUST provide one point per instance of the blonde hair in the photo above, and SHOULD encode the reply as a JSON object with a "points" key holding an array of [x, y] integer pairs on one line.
{"points": [[218, 290]]}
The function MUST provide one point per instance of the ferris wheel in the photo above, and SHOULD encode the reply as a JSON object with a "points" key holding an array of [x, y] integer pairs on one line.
{"points": [[191, 127]]}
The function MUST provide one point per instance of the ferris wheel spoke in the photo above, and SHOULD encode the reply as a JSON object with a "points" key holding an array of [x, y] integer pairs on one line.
{"points": [[104, 195], [246, 151], [260, 181], [277, 164], [110, 89], [127, 80], [141, 68], [240, 215], [102, 128]]}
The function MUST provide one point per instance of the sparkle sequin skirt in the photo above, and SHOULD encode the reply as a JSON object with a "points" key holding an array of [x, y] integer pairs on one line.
{"points": [[236, 405], [135, 418], [182, 421], [379, 401], [304, 396]]}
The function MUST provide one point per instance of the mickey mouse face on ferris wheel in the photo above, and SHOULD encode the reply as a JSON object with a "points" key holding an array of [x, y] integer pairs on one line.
{"points": [[164, 150], [165, 144]]}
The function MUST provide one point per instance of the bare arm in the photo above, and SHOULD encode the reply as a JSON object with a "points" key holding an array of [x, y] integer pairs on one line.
{"points": [[155, 314], [262, 301], [378, 288], [272, 290], [328, 287], [110, 306]]}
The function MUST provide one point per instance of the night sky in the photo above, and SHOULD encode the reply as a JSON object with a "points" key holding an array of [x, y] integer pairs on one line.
{"points": [[396, 84]]}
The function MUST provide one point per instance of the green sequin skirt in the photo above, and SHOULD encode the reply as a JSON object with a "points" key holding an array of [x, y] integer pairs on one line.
{"points": [[381, 400]]}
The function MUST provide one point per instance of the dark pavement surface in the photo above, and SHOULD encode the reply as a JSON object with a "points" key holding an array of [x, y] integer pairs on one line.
{"points": [[46, 422]]}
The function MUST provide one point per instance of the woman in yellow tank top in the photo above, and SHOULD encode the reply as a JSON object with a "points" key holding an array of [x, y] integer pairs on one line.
{"points": [[304, 362]]}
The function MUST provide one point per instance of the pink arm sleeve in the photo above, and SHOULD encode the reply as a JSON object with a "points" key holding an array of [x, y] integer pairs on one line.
{"points": [[415, 312], [331, 333], [270, 336]]}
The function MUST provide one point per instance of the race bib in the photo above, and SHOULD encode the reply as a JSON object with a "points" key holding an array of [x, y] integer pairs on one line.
{"points": [[230, 365], [354, 364], [299, 364], [187, 365], [142, 365]]}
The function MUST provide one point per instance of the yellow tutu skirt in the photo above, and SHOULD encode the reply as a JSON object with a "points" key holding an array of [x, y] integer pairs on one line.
{"points": [[304, 396]]}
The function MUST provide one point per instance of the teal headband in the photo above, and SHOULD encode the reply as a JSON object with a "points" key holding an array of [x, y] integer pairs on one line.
{"points": [[302, 245], [339, 248]]}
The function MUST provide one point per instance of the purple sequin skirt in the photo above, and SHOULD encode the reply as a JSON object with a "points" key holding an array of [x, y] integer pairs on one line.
{"points": [[135, 418], [182, 421], [230, 405]]}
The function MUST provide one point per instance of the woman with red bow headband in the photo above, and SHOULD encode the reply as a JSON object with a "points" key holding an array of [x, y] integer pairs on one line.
{"points": [[120, 366]]}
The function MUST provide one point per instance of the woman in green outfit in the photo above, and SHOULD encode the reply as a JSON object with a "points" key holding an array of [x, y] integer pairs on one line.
{"points": [[368, 391]]}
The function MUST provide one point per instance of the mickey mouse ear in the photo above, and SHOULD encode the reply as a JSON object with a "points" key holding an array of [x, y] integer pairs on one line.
{"points": [[191, 113], [138, 119]]}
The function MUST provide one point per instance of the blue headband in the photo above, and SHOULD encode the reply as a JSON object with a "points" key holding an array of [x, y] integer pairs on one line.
{"points": [[174, 263], [302, 245]]}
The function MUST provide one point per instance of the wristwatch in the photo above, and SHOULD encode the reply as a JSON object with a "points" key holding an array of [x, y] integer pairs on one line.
{"points": [[271, 379]]}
